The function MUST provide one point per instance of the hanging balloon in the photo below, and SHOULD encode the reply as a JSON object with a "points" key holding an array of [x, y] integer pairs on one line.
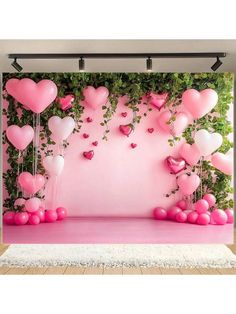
{"points": [[126, 129], [53, 165], [190, 153], [61, 128], [188, 183], [175, 165], [223, 162], [95, 97], [199, 103], [207, 142], [175, 127], [20, 138], [32, 204], [35, 96], [158, 100], [31, 184], [66, 102]]}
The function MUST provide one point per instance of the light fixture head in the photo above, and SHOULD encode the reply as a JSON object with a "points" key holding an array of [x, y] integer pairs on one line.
{"points": [[217, 64], [149, 64], [16, 65], [81, 65]]}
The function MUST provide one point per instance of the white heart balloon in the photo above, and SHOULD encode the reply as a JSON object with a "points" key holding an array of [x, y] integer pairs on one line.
{"points": [[61, 128], [207, 142], [54, 165]]}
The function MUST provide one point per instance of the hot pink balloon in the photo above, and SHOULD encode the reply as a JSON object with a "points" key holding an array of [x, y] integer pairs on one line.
{"points": [[199, 103], [21, 218], [230, 215], [188, 183], [223, 162], [125, 129], [8, 218], [20, 138], [181, 217], [176, 127], [29, 183], [190, 153], [192, 217], [32, 204], [95, 97], [41, 214], [175, 165], [61, 213], [50, 215], [219, 216], [172, 212], [210, 198], [66, 102], [182, 204], [201, 206], [203, 219], [158, 100], [160, 213], [34, 220]]}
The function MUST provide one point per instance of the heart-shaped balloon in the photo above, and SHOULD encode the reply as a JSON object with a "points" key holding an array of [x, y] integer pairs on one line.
{"points": [[125, 129], [188, 183], [175, 165], [66, 102], [190, 153], [20, 137], [223, 162], [207, 142], [31, 184], [158, 100], [32, 204], [35, 96], [54, 165], [88, 155], [95, 97], [61, 128], [199, 103], [177, 126]]}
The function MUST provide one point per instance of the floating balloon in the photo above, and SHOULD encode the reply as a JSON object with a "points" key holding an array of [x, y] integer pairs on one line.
{"points": [[190, 153], [31, 184], [95, 97], [223, 162], [188, 183], [35, 96], [125, 129], [53, 165], [175, 165], [61, 128], [8, 218], [160, 213], [158, 100], [210, 198], [207, 142], [66, 102], [20, 138], [199, 103], [32, 204], [175, 127]]}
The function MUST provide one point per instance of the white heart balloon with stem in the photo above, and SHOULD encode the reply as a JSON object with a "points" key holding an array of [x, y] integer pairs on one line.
{"points": [[61, 128], [53, 165], [207, 142]]}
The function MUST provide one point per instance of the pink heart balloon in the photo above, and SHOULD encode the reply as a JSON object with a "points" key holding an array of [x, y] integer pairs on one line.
{"points": [[175, 164], [20, 137], [223, 162], [158, 100], [176, 127], [125, 129], [35, 96], [66, 102], [29, 183], [188, 184], [95, 97], [199, 104], [190, 153]]}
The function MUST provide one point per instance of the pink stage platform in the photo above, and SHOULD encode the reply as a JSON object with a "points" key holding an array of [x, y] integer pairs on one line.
{"points": [[117, 230]]}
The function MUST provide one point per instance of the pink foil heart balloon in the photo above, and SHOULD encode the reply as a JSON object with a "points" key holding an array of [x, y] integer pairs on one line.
{"points": [[125, 129], [188, 183], [199, 104], [175, 164], [35, 96], [29, 183], [95, 97], [190, 153], [88, 155], [20, 137], [176, 127], [223, 162], [66, 102], [158, 100]]}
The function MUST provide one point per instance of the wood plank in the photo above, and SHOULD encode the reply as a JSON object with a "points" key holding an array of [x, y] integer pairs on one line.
{"points": [[93, 271], [16, 271], [4, 270], [74, 270], [131, 270], [170, 271], [55, 270], [227, 271], [209, 271], [150, 270], [36, 271], [112, 271], [189, 271]]}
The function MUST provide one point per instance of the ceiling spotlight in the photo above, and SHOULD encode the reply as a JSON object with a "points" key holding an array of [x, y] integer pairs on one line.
{"points": [[149, 64], [217, 64], [16, 66], [81, 65]]}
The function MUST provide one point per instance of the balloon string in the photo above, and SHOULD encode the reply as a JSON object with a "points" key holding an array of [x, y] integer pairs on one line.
{"points": [[201, 176], [54, 192], [18, 173], [33, 145], [37, 129]]}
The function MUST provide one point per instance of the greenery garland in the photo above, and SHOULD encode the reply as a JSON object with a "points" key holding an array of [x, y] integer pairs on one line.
{"points": [[135, 86]]}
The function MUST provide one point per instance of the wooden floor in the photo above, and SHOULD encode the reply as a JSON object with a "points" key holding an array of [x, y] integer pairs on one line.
{"points": [[70, 270]]}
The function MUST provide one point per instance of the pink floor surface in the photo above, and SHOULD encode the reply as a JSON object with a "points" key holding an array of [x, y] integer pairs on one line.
{"points": [[117, 230]]}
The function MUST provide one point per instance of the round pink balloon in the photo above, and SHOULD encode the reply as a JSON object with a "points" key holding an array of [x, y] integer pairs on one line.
{"points": [[19, 202], [190, 153], [34, 220], [8, 218], [35, 96], [95, 97], [61, 213], [21, 218], [172, 212], [203, 219], [201, 206], [219, 216], [20, 138], [192, 217], [41, 214], [182, 204], [160, 213], [32, 204], [188, 184], [29, 183], [210, 198], [181, 217], [50, 215], [230, 215]]}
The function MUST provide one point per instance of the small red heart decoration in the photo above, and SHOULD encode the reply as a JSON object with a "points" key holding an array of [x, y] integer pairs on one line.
{"points": [[133, 145], [150, 130], [175, 164], [88, 155], [124, 114], [85, 135], [125, 129], [89, 120], [95, 143]]}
